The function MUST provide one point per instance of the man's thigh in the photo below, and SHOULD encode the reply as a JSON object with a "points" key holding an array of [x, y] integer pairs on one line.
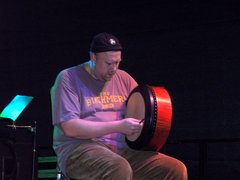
{"points": [[97, 161], [154, 165]]}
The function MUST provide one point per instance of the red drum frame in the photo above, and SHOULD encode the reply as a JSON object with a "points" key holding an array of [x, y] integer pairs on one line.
{"points": [[157, 117]]}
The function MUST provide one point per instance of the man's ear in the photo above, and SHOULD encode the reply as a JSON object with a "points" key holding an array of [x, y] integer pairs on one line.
{"points": [[93, 57]]}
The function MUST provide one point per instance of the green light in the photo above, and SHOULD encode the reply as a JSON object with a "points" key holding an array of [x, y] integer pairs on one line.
{"points": [[15, 107]]}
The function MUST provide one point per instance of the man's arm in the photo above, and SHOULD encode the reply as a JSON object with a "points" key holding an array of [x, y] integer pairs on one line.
{"points": [[84, 129]]}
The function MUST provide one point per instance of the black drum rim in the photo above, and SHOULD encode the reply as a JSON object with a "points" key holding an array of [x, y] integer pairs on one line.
{"points": [[149, 120]]}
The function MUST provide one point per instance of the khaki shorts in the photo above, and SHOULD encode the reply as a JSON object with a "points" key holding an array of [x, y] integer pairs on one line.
{"points": [[95, 161]]}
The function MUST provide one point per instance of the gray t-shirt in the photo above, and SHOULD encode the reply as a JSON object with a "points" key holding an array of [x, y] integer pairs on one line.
{"points": [[76, 94]]}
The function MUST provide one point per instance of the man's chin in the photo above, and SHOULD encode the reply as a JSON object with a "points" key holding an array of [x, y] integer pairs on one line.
{"points": [[105, 79], [108, 78]]}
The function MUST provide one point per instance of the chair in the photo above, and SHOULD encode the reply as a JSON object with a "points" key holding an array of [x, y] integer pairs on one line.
{"points": [[48, 168]]}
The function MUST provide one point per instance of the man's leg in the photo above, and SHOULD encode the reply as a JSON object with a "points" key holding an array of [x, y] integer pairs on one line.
{"points": [[96, 161], [154, 165]]}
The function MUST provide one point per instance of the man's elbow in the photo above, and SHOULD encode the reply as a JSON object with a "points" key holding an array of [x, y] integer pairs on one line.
{"points": [[70, 129]]}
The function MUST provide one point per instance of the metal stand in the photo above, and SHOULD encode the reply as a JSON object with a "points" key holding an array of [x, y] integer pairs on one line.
{"points": [[34, 131]]}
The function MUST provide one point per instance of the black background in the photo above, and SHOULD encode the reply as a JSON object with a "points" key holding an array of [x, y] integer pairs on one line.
{"points": [[190, 47]]}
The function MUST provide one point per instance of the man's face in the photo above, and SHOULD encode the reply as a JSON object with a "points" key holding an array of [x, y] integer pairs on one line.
{"points": [[106, 64]]}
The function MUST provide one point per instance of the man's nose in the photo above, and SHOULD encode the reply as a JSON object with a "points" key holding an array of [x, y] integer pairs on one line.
{"points": [[114, 67]]}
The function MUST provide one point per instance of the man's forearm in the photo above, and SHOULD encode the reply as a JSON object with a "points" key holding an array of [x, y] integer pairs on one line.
{"points": [[84, 129]]}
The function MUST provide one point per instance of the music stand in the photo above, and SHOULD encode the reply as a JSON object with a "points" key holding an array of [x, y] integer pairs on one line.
{"points": [[12, 111]]}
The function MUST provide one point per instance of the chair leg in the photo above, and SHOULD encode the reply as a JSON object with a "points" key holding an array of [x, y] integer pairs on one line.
{"points": [[60, 175]]}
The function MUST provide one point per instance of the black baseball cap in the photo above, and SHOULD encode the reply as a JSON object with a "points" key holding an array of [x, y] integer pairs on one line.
{"points": [[103, 42]]}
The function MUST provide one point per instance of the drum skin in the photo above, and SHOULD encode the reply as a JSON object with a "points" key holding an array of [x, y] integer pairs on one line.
{"points": [[153, 104]]}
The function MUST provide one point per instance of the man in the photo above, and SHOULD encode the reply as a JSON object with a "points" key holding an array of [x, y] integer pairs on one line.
{"points": [[88, 105]]}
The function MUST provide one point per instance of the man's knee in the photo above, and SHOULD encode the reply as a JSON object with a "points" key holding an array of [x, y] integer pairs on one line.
{"points": [[180, 171], [172, 168]]}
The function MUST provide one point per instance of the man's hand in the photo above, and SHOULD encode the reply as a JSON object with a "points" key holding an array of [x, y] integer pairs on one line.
{"points": [[130, 126]]}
